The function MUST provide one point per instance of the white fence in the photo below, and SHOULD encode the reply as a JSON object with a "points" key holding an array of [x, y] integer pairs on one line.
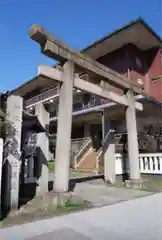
{"points": [[150, 163]]}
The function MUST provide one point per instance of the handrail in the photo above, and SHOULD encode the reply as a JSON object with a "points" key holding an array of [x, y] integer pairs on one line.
{"points": [[107, 135], [143, 154], [73, 140], [150, 154], [99, 151], [76, 146], [83, 149], [103, 142], [78, 141], [46, 95]]}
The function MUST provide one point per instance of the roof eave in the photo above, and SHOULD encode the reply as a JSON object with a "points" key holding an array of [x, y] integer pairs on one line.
{"points": [[139, 20]]}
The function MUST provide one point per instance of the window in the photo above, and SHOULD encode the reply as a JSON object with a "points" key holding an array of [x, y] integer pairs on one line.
{"points": [[156, 78], [138, 62]]}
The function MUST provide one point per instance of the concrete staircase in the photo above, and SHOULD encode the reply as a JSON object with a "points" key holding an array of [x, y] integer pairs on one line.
{"points": [[89, 159]]}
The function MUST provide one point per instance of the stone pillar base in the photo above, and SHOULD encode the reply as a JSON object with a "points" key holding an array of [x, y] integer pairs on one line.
{"points": [[60, 199], [137, 184]]}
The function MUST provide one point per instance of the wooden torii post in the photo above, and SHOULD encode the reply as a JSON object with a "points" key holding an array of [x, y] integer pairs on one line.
{"points": [[58, 50]]}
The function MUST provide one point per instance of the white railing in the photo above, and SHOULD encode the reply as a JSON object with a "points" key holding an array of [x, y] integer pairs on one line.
{"points": [[42, 97], [150, 163]]}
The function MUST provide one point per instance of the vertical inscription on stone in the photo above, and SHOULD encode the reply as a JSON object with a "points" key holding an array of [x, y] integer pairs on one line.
{"points": [[13, 144]]}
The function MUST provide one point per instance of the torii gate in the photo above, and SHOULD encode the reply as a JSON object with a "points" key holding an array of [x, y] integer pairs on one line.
{"points": [[57, 50]]}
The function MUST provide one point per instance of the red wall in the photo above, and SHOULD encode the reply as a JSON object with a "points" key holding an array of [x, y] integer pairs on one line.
{"points": [[154, 70], [134, 64]]}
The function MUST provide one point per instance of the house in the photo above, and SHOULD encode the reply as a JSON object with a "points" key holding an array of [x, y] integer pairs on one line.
{"points": [[133, 51]]}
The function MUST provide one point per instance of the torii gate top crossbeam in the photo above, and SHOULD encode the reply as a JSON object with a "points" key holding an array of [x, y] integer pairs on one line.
{"points": [[56, 49]]}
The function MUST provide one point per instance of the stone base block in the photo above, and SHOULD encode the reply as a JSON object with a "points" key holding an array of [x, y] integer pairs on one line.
{"points": [[137, 184], [61, 199], [50, 201]]}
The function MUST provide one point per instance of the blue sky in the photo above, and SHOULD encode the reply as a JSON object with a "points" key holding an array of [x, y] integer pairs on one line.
{"points": [[77, 22]]}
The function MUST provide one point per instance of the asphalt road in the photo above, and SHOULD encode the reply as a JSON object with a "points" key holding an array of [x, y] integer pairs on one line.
{"points": [[129, 220]]}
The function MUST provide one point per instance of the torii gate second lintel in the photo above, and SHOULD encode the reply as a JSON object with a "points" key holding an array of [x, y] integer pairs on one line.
{"points": [[55, 74]]}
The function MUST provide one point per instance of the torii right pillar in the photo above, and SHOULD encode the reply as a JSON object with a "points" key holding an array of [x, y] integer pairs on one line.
{"points": [[133, 151]]}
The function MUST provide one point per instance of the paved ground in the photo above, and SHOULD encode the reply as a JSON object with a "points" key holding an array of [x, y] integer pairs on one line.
{"points": [[99, 194], [129, 220]]}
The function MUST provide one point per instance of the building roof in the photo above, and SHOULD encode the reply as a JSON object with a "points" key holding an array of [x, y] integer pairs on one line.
{"points": [[137, 32], [37, 82]]}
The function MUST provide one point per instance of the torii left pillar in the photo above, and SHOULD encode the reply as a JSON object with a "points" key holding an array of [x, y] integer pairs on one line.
{"points": [[63, 144], [42, 151]]}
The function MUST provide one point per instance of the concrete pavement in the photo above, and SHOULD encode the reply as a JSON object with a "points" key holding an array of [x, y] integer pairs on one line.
{"points": [[99, 194], [135, 219]]}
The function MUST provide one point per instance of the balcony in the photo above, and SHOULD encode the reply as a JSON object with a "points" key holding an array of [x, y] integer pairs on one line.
{"points": [[82, 100], [91, 101], [42, 97]]}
